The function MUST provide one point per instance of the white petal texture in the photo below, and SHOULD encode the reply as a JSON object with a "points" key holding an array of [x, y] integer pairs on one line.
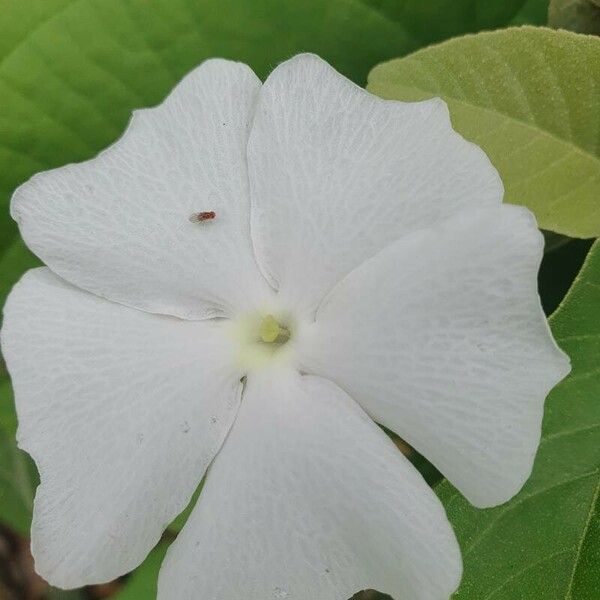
{"points": [[118, 225], [337, 174], [309, 499], [122, 412], [441, 338]]}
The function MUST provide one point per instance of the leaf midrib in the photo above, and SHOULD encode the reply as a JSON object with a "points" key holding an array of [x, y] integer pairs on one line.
{"points": [[510, 507], [525, 569]]}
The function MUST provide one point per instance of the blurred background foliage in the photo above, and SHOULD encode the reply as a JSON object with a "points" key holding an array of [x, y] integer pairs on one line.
{"points": [[71, 72]]}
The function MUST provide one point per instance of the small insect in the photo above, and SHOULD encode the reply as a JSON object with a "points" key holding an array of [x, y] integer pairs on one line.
{"points": [[202, 216]]}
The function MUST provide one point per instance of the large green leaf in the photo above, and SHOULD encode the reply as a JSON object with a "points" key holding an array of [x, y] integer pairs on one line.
{"points": [[577, 15], [528, 96], [545, 542], [19, 19]]}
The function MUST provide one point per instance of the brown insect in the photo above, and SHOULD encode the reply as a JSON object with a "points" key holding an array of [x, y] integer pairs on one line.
{"points": [[203, 216]]}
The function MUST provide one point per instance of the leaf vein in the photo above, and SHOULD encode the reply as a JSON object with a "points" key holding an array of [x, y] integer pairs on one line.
{"points": [[512, 506]]}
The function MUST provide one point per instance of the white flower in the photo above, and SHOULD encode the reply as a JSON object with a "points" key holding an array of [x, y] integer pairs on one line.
{"points": [[368, 240]]}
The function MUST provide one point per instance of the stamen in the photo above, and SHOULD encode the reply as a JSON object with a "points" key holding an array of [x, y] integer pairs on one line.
{"points": [[203, 216]]}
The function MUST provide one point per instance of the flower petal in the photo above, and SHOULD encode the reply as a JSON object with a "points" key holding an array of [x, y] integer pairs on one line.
{"points": [[337, 174], [441, 338], [122, 412], [309, 499], [119, 225]]}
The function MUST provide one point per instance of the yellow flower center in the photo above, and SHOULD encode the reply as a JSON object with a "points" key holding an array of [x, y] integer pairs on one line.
{"points": [[271, 332], [262, 340]]}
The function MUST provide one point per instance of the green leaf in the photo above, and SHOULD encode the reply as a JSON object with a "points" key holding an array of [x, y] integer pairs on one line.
{"points": [[143, 581], [18, 477], [528, 96], [582, 16], [18, 21], [545, 542]]}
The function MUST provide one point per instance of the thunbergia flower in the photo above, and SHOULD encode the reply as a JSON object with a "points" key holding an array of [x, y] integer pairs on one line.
{"points": [[248, 280]]}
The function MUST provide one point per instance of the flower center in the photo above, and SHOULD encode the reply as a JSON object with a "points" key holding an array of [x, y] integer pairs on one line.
{"points": [[272, 332], [262, 340]]}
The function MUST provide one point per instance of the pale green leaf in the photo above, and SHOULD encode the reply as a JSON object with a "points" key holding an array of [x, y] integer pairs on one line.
{"points": [[582, 16], [529, 97], [545, 542]]}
